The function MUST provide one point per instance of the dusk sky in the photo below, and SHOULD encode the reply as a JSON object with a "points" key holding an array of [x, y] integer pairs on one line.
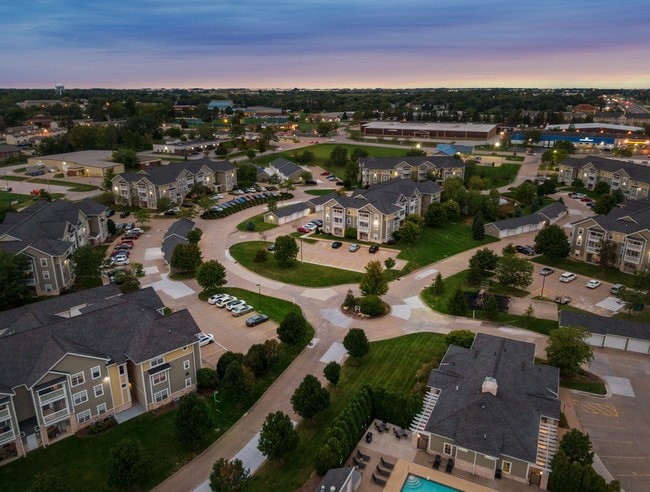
{"points": [[324, 44]]}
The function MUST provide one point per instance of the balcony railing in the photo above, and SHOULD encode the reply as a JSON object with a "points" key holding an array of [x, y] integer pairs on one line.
{"points": [[7, 436], [4, 414], [55, 416], [632, 259], [634, 247], [52, 396]]}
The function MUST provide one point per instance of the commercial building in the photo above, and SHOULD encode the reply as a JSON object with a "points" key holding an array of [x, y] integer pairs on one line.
{"points": [[446, 131], [373, 170], [82, 163]]}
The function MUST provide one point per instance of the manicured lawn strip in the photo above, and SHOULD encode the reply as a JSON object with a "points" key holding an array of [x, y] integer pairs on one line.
{"points": [[499, 175], [587, 387], [437, 244], [306, 274], [20, 170], [392, 364], [6, 198], [9, 177], [260, 225], [72, 186], [581, 268], [322, 192], [276, 308], [642, 317]]}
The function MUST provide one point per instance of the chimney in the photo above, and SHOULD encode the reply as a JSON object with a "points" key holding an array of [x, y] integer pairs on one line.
{"points": [[489, 386]]}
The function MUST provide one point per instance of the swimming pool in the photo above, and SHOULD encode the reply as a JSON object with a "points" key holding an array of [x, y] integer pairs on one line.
{"points": [[413, 482]]}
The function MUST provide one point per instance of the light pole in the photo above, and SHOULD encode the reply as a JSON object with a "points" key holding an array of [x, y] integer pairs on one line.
{"points": [[543, 281], [301, 250], [259, 295]]}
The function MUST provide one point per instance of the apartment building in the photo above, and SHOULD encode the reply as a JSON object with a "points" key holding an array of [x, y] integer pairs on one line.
{"points": [[632, 179], [48, 233], [373, 170], [378, 211], [144, 188], [627, 226], [69, 361]]}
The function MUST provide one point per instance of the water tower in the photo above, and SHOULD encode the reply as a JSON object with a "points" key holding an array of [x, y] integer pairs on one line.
{"points": [[59, 88]]}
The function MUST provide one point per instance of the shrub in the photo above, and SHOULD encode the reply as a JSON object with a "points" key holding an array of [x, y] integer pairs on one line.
{"points": [[462, 338], [250, 226], [350, 233], [261, 256], [350, 301], [102, 425], [372, 305], [207, 378]]}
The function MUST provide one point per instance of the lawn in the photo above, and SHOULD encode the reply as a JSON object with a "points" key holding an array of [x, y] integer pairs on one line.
{"points": [[7, 198], [258, 222], [305, 274], [588, 270], [392, 364], [320, 192], [72, 186], [499, 175], [275, 308], [9, 177]]}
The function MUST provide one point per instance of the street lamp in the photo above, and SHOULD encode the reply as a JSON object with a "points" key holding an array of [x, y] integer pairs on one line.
{"points": [[259, 295], [543, 281], [301, 250]]}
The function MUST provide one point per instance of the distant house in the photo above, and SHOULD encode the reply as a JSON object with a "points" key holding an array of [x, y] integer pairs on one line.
{"points": [[69, 361], [8, 152], [493, 410], [48, 233], [373, 170], [451, 150], [175, 235], [545, 216], [283, 168], [220, 104]]}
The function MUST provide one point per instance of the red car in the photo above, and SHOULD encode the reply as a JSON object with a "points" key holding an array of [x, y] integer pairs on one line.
{"points": [[586, 199], [304, 229], [325, 173]]}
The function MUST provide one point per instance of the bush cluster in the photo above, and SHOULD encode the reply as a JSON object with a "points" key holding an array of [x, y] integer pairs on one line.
{"points": [[214, 214], [102, 425], [372, 306]]}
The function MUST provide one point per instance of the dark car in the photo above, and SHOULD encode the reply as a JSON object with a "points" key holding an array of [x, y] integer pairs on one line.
{"points": [[270, 247], [337, 244], [256, 319], [373, 249], [310, 182], [110, 212], [525, 250], [124, 214]]}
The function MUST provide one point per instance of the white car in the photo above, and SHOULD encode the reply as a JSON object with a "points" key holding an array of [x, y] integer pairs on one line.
{"points": [[215, 298], [567, 277], [592, 284], [235, 303], [224, 300], [120, 260], [205, 338], [243, 309]]}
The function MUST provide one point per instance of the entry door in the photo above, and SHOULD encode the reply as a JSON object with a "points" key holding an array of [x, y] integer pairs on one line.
{"points": [[534, 476]]}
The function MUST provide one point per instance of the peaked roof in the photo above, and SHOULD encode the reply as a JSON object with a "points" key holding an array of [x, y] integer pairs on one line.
{"points": [[550, 211], [162, 175], [507, 423], [386, 195], [630, 217], [391, 162], [285, 166], [637, 172], [605, 326]]}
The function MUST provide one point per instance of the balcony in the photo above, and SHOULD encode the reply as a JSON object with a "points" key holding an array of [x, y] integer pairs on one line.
{"points": [[634, 259], [50, 418], [363, 226], [4, 414], [593, 247], [7, 436], [51, 396]]}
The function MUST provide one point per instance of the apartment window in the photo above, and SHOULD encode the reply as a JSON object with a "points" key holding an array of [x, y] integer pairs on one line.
{"points": [[48, 287], [188, 382], [161, 395], [506, 467], [349, 221], [79, 398], [98, 390], [83, 416], [161, 377], [77, 379], [96, 372], [101, 409], [446, 449], [157, 361], [46, 275], [43, 262], [186, 364]]}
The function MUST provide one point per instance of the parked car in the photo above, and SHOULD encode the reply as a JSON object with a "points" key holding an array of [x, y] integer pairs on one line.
{"points": [[593, 284], [124, 214], [337, 244], [305, 229], [224, 300], [373, 249], [325, 173], [243, 309], [205, 339], [567, 277], [562, 299], [256, 319], [318, 222], [310, 182], [616, 288], [354, 247], [546, 271], [120, 260], [271, 247], [525, 250], [234, 303], [213, 299], [137, 229]]}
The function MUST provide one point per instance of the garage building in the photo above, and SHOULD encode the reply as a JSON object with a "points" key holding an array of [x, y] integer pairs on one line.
{"points": [[450, 131]]}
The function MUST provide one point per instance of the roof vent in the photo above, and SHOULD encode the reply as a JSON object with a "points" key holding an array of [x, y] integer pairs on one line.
{"points": [[523, 365], [489, 386], [476, 354]]}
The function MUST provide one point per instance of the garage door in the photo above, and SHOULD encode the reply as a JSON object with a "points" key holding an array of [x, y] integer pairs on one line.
{"points": [[641, 346], [615, 342], [596, 340]]}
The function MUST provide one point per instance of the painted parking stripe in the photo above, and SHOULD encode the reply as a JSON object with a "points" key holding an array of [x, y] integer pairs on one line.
{"points": [[597, 408]]}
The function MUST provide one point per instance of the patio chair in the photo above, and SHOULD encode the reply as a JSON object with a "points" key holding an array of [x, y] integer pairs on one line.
{"points": [[382, 472], [450, 465], [378, 481], [358, 464], [386, 464], [436, 462], [363, 457]]}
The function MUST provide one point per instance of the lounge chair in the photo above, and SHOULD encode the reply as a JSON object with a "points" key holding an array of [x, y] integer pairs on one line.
{"points": [[386, 464], [378, 481], [436, 462], [383, 473], [363, 457], [358, 464], [450, 465]]}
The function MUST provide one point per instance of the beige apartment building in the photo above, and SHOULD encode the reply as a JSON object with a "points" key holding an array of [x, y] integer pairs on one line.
{"points": [[373, 170]]}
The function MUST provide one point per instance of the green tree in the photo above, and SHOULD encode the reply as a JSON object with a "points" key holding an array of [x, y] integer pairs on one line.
{"points": [[478, 227], [125, 156], [452, 210], [338, 156], [257, 360], [604, 204], [225, 360], [86, 265], [246, 174], [193, 420], [293, 329], [127, 463], [552, 242], [236, 381], [568, 348], [277, 437], [350, 301], [457, 304], [286, 251], [491, 307], [211, 275], [410, 232], [374, 281], [438, 285], [482, 264], [514, 271], [577, 447], [195, 235], [142, 216], [436, 215], [332, 372], [186, 257], [163, 203], [206, 378], [389, 263], [356, 343], [107, 182], [525, 193], [310, 398], [461, 338], [608, 252], [602, 188], [454, 189], [228, 476]]}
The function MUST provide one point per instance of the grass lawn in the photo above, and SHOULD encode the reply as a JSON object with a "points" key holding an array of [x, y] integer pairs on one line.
{"points": [[588, 270], [20, 170], [69, 184], [258, 221], [306, 274], [9, 177], [584, 381], [392, 364], [322, 192], [275, 308], [6, 199], [499, 175]]}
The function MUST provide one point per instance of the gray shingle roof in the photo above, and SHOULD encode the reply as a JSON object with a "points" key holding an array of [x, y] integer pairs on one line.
{"points": [[286, 167], [180, 227], [507, 423], [336, 478], [605, 326], [169, 245], [440, 162], [162, 175], [385, 195], [550, 211], [635, 171], [632, 216], [290, 209]]}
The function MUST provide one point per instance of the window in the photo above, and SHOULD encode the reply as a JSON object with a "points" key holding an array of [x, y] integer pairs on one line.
{"points": [[46, 275], [79, 398], [96, 372], [48, 287], [188, 382], [101, 409], [506, 467], [161, 395], [446, 449], [186, 364], [157, 361], [161, 377], [77, 379], [83, 416], [43, 262], [98, 390]]}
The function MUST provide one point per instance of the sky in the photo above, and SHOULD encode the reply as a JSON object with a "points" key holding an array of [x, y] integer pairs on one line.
{"points": [[324, 44]]}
